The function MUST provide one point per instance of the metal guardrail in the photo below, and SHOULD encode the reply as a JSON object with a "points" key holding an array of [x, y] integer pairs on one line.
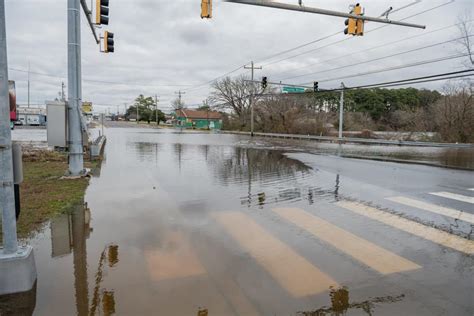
{"points": [[97, 146], [366, 141]]}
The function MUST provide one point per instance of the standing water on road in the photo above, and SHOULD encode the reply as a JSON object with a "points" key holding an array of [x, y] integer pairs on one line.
{"points": [[210, 224]]}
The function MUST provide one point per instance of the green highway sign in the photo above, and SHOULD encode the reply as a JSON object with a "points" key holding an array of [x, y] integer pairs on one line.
{"points": [[293, 89]]}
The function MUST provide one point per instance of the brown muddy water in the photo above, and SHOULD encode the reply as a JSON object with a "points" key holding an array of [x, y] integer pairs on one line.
{"points": [[208, 224]]}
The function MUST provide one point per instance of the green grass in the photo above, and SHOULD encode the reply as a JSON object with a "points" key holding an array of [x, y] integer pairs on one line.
{"points": [[43, 193]]}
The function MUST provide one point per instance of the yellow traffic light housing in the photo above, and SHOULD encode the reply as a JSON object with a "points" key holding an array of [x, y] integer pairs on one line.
{"points": [[355, 26], [206, 9], [108, 42], [102, 12]]}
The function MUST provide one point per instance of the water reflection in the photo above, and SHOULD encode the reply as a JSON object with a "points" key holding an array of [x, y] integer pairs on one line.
{"points": [[69, 233], [258, 177], [340, 304]]}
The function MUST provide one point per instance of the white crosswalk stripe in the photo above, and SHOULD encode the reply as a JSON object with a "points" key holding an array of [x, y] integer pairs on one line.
{"points": [[364, 251], [454, 196], [434, 208], [429, 233]]}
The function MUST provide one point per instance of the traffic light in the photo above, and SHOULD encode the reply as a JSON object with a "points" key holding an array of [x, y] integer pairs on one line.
{"points": [[206, 9], [102, 12], [108, 42], [264, 83], [316, 86], [355, 26]]}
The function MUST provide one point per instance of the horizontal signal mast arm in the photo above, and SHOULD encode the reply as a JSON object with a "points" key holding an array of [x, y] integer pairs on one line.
{"points": [[293, 7], [88, 14]]}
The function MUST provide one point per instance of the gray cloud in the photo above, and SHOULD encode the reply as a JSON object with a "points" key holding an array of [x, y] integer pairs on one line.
{"points": [[164, 46]]}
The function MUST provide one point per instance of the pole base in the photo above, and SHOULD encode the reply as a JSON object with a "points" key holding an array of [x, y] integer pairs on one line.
{"points": [[17, 271]]}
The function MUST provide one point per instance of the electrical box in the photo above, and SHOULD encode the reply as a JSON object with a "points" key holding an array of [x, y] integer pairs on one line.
{"points": [[57, 123]]}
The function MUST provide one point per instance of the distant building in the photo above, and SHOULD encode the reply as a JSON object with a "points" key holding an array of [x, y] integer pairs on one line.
{"points": [[31, 116], [198, 119]]}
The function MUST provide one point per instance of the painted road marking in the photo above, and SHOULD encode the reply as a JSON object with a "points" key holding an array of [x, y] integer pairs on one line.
{"points": [[429, 233], [175, 260], [293, 272], [454, 196], [377, 258], [467, 217]]}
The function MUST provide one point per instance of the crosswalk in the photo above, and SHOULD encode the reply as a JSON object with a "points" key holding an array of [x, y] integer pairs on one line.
{"points": [[300, 277], [296, 274]]}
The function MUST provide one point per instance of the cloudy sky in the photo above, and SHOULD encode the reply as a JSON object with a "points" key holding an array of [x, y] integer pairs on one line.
{"points": [[164, 46]]}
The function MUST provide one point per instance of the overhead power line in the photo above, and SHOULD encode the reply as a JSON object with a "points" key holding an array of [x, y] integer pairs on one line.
{"points": [[448, 75], [349, 38], [215, 79], [384, 45], [377, 59], [425, 62]]}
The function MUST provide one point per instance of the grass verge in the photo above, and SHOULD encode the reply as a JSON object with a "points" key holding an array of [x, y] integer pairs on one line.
{"points": [[43, 193]]}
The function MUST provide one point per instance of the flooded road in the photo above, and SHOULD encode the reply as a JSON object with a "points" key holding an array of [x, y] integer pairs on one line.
{"points": [[211, 224]]}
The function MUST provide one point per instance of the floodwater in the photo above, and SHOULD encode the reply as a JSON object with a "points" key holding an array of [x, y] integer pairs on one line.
{"points": [[211, 224]]}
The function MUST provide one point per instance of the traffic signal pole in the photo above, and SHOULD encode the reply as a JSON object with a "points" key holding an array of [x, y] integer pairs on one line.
{"points": [[293, 7], [17, 264], [7, 200], [76, 155]]}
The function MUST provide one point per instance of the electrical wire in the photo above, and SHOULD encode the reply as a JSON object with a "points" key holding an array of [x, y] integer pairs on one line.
{"points": [[425, 62], [387, 44], [377, 59], [215, 79], [349, 38]]}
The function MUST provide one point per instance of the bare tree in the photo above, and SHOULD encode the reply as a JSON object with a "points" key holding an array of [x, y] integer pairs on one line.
{"points": [[235, 95], [454, 113], [466, 30]]}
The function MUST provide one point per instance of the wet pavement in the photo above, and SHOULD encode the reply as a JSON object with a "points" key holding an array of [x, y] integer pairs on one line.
{"points": [[211, 224]]}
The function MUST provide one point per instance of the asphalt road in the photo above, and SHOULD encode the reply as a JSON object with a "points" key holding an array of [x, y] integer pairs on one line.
{"points": [[179, 223]]}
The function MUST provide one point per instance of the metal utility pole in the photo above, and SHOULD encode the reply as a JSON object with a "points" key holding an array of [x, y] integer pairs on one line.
{"points": [[341, 111], [293, 7], [28, 84], [63, 95], [156, 108], [252, 67], [137, 113], [180, 95], [76, 158], [7, 198]]}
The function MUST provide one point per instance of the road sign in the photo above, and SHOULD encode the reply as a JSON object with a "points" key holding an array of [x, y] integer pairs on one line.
{"points": [[293, 90]]}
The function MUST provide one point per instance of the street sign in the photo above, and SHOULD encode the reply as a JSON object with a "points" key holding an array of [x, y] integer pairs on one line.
{"points": [[293, 90]]}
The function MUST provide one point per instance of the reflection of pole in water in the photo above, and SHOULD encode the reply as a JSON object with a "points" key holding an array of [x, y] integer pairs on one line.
{"points": [[336, 191], [249, 171], [310, 196], [339, 150], [107, 298], [80, 260]]}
